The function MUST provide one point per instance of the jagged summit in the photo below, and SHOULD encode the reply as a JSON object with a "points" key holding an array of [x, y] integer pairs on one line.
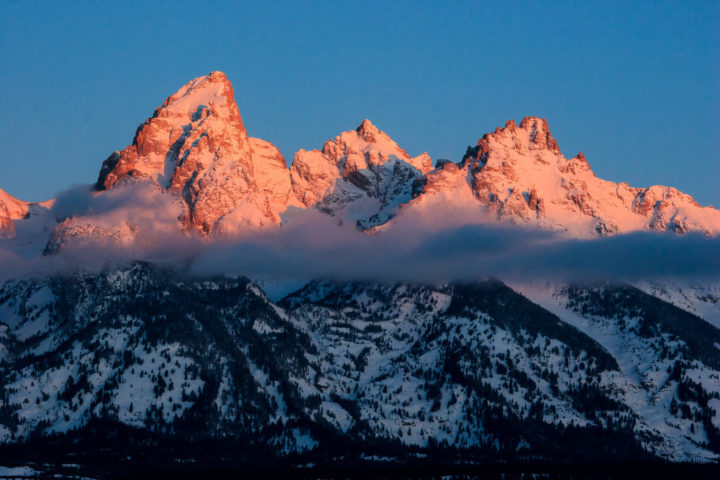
{"points": [[380, 142], [362, 174], [519, 173], [203, 108], [532, 134], [210, 91], [196, 145], [367, 131], [539, 133]]}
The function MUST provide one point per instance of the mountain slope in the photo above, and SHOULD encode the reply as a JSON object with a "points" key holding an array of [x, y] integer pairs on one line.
{"points": [[595, 372], [588, 363], [699, 298], [668, 358], [149, 349]]}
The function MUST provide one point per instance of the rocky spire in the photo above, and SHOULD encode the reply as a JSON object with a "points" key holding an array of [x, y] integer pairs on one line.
{"points": [[195, 144], [367, 131]]}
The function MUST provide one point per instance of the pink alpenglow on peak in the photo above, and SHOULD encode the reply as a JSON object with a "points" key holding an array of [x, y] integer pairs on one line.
{"points": [[518, 173], [195, 145], [195, 153], [383, 146], [7, 227], [362, 175], [13, 209], [16, 209]]}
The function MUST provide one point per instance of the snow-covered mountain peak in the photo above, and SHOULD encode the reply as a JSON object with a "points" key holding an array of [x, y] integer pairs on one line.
{"points": [[201, 118], [518, 173], [209, 91], [531, 141], [196, 146], [366, 140], [362, 174]]}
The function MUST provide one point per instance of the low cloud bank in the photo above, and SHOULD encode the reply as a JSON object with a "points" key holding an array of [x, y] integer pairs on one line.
{"points": [[463, 253], [432, 246]]}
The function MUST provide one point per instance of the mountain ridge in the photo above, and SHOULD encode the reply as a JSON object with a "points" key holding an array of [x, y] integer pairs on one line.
{"points": [[519, 173], [155, 354], [195, 147], [478, 369]]}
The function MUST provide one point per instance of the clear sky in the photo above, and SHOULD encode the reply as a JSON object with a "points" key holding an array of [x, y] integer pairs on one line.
{"points": [[634, 85]]}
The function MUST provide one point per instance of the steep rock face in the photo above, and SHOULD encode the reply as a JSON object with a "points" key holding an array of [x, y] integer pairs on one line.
{"points": [[16, 209], [7, 227], [195, 145], [519, 173], [10, 209], [362, 175], [271, 175]]}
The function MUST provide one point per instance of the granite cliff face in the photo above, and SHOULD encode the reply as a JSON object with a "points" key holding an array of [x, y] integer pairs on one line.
{"points": [[195, 145]]}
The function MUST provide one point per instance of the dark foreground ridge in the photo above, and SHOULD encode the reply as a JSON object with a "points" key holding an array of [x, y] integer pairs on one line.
{"points": [[150, 370], [109, 451]]}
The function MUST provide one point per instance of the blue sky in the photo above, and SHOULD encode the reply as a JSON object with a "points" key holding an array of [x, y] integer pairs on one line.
{"points": [[634, 85]]}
